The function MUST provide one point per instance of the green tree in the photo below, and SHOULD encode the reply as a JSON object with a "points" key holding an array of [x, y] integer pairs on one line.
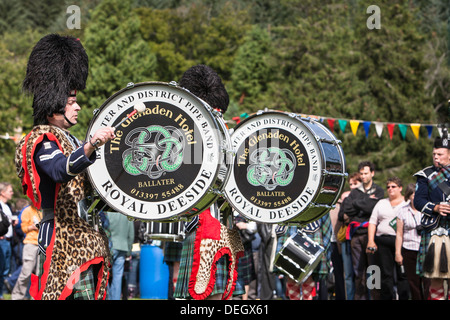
{"points": [[187, 36], [117, 56], [252, 68], [15, 107]]}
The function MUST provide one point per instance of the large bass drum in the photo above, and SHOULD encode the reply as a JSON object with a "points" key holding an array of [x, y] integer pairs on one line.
{"points": [[167, 163], [287, 169]]}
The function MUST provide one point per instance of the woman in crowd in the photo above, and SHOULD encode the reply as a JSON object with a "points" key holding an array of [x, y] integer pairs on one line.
{"points": [[407, 244]]}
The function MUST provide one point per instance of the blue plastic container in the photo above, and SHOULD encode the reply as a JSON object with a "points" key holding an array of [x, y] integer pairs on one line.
{"points": [[153, 273]]}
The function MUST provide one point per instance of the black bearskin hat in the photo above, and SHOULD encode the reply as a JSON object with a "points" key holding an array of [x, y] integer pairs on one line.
{"points": [[206, 84], [442, 142], [57, 66]]}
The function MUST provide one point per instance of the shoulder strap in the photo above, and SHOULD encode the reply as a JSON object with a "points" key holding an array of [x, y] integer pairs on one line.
{"points": [[426, 172]]}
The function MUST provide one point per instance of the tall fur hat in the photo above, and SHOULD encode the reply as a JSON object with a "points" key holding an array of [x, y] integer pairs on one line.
{"points": [[206, 84], [57, 66], [442, 142]]}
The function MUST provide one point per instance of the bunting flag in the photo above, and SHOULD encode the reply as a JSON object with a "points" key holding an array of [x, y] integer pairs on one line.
{"points": [[390, 127], [331, 124], [415, 127], [402, 129], [342, 125], [379, 127], [354, 124], [366, 125], [429, 130]]}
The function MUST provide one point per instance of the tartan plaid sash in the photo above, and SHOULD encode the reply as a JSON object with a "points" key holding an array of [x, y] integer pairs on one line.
{"points": [[439, 177]]}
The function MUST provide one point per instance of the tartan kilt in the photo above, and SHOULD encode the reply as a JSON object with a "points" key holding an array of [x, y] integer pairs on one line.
{"points": [[246, 267], [424, 242], [172, 251], [187, 257]]}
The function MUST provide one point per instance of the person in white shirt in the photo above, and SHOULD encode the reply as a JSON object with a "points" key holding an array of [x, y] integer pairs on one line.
{"points": [[381, 240], [407, 244], [6, 194]]}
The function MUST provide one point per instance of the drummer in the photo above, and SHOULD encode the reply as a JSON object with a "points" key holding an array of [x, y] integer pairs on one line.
{"points": [[206, 84], [50, 162]]}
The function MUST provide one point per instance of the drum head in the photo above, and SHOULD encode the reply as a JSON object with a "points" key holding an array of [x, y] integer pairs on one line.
{"points": [[277, 168], [163, 160]]}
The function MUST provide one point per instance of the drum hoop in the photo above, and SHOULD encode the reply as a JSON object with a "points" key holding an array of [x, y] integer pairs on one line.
{"points": [[217, 124]]}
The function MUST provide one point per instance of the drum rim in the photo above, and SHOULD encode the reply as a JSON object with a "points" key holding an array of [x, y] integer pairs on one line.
{"points": [[213, 197]]}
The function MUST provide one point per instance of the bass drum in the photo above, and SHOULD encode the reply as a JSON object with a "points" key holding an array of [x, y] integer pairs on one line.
{"points": [[287, 169], [167, 163]]}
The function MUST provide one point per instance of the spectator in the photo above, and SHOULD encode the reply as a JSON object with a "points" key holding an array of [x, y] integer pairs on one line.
{"points": [[30, 219], [358, 206], [122, 238], [381, 240], [6, 193], [341, 249], [407, 244]]}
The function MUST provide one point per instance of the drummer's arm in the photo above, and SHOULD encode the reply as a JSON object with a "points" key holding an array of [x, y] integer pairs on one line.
{"points": [[99, 138], [50, 159]]}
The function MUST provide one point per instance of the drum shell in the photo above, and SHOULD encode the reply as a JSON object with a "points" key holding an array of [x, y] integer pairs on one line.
{"points": [[334, 173]]}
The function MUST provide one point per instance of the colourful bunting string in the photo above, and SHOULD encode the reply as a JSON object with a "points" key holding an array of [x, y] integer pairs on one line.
{"points": [[354, 124], [379, 126]]}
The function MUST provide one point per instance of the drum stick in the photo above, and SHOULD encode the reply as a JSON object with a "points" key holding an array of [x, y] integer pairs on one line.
{"points": [[138, 108]]}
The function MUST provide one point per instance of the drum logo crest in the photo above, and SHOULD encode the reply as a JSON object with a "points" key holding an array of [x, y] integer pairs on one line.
{"points": [[153, 151], [271, 167]]}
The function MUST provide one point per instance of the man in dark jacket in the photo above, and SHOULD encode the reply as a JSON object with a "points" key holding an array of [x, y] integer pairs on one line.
{"points": [[357, 208]]}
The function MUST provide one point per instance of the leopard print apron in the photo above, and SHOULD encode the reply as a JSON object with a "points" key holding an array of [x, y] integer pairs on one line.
{"points": [[75, 245], [213, 240]]}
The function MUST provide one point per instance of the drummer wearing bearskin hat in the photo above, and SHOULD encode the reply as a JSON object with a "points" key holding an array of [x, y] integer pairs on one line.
{"points": [[432, 198], [51, 162]]}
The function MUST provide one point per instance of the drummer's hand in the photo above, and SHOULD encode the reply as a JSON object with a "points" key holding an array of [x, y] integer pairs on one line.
{"points": [[99, 138], [443, 209]]}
